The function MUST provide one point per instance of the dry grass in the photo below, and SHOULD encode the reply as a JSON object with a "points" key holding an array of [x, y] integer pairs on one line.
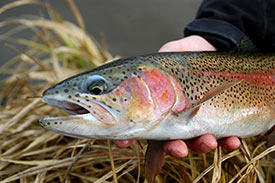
{"points": [[29, 153]]}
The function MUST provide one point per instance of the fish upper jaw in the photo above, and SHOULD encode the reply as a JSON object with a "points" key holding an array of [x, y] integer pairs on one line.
{"points": [[86, 124], [86, 113]]}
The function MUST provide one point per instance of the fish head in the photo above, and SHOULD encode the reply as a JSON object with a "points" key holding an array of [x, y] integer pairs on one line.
{"points": [[119, 100]]}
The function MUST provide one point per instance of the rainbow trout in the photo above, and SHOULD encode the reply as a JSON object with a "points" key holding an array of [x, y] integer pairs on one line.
{"points": [[166, 96]]}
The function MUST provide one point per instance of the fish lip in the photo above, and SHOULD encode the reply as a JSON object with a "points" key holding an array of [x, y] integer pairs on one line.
{"points": [[55, 124], [67, 106], [74, 106]]}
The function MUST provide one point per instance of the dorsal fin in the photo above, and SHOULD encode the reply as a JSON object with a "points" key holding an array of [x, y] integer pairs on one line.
{"points": [[246, 44]]}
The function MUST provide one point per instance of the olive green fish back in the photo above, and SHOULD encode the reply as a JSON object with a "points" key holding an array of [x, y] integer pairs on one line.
{"points": [[201, 72]]}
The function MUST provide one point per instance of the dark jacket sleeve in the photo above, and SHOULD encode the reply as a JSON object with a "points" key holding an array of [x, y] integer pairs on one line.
{"points": [[224, 23]]}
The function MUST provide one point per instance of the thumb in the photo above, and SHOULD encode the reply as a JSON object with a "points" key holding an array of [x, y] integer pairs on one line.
{"points": [[191, 43]]}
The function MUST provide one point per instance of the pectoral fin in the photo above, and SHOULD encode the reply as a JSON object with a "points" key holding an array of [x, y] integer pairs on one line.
{"points": [[218, 90], [153, 159], [209, 95]]}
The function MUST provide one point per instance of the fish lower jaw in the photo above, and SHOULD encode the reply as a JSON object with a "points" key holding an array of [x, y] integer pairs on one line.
{"points": [[83, 105], [73, 126], [59, 121]]}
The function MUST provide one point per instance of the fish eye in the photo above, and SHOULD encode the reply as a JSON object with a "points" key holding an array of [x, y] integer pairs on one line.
{"points": [[96, 85], [96, 89]]}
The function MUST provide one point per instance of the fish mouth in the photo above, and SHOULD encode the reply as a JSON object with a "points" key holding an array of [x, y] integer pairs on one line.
{"points": [[90, 118], [84, 110], [68, 107]]}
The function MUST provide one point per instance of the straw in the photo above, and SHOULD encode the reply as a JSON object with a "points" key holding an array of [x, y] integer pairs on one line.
{"points": [[29, 153]]}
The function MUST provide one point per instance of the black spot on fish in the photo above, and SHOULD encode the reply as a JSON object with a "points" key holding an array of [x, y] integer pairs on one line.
{"points": [[56, 92], [66, 90], [77, 95], [114, 99]]}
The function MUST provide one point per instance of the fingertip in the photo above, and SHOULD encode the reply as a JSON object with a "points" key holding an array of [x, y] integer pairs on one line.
{"points": [[208, 143], [203, 144], [176, 148], [190, 43], [171, 46], [123, 143], [230, 143]]}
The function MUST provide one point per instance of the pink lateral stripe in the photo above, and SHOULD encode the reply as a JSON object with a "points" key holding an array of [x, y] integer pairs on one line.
{"points": [[256, 78]]}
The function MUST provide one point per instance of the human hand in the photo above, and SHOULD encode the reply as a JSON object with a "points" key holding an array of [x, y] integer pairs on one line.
{"points": [[204, 143]]}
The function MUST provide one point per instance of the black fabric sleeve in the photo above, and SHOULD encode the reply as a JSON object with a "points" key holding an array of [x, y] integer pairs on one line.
{"points": [[224, 23]]}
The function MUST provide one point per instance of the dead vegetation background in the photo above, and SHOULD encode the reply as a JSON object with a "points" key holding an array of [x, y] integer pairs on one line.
{"points": [[29, 153]]}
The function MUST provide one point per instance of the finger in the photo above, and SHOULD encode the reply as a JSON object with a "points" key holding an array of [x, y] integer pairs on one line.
{"points": [[271, 142], [172, 46], [203, 144], [123, 143], [190, 43], [230, 143], [176, 148]]}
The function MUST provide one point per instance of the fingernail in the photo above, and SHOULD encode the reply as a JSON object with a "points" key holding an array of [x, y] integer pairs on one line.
{"points": [[178, 153], [204, 148], [125, 142], [122, 143]]}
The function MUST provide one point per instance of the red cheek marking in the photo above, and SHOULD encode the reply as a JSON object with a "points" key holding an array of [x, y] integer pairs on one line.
{"points": [[161, 89], [166, 91], [181, 102], [149, 96], [140, 106]]}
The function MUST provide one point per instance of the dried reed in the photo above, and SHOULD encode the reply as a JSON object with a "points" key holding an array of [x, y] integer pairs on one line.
{"points": [[29, 153]]}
